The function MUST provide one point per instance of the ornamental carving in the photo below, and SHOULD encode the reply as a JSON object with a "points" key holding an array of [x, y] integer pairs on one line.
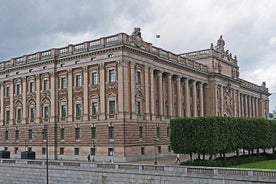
{"points": [[94, 87], [112, 85], [228, 100]]}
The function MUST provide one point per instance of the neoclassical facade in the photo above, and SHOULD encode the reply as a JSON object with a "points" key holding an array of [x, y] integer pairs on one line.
{"points": [[113, 97]]}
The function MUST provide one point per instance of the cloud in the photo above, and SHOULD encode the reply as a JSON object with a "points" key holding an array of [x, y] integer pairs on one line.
{"points": [[247, 27]]}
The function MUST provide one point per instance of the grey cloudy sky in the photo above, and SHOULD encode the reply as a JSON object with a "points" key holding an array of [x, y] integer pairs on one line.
{"points": [[248, 28]]}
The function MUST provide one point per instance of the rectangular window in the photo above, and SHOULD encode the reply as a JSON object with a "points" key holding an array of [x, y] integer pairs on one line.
{"points": [[6, 135], [159, 149], [63, 83], [77, 133], [45, 85], [93, 132], [30, 149], [30, 134], [112, 75], [138, 77], [63, 111], [93, 151], [94, 78], [32, 87], [111, 132], [138, 108], [61, 151], [8, 91], [168, 131], [62, 133], [16, 135], [94, 108], [77, 151], [142, 151], [158, 132], [140, 132], [18, 114], [18, 89], [32, 113], [78, 80], [43, 151], [7, 116], [112, 107], [46, 112], [78, 110], [44, 134], [15, 150], [110, 151]]}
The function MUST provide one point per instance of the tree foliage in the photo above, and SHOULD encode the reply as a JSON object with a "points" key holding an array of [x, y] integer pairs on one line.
{"points": [[219, 135]]}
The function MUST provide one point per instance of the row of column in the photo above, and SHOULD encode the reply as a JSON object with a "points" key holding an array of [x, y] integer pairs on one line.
{"points": [[190, 100], [249, 106]]}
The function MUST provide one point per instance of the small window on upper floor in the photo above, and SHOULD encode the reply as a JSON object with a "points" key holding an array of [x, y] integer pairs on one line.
{"points": [[63, 83], [46, 85], [110, 55], [138, 77], [78, 81], [94, 78], [112, 75], [77, 62]]}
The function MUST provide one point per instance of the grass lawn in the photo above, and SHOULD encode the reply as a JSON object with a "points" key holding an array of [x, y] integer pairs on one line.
{"points": [[268, 164]]}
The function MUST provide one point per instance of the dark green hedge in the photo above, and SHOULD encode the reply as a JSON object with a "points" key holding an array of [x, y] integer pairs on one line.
{"points": [[219, 135]]}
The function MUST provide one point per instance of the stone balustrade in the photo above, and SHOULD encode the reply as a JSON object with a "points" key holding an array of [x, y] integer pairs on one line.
{"points": [[101, 43]]}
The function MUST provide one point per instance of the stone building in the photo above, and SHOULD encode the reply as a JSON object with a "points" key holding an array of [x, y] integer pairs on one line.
{"points": [[113, 97]]}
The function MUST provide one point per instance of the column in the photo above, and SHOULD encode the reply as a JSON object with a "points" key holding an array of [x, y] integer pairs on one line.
{"points": [[102, 92], [249, 106], [38, 106], [235, 102], [187, 98], [85, 94], [132, 88], [11, 102], [70, 96], [126, 89], [242, 105], [201, 101], [53, 97], [246, 105], [147, 93], [170, 105], [24, 93], [194, 99], [160, 93], [221, 101], [152, 98], [257, 107], [179, 97], [2, 108], [253, 107], [239, 103]]}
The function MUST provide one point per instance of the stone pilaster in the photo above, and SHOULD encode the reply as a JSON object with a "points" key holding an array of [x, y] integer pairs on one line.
{"points": [[70, 96], [102, 92], [38, 106], [85, 94], [24, 93], [194, 96], [201, 100], [160, 93]]}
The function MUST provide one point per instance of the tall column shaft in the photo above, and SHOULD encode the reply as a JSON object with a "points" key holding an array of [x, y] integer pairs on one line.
{"points": [[179, 97], [70, 96], [201, 100], [170, 105], [24, 93], [187, 98], [160, 95], [194, 99], [102, 92], [38, 106]]}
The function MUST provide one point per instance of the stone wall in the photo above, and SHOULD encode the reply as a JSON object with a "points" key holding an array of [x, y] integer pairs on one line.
{"points": [[34, 171]]}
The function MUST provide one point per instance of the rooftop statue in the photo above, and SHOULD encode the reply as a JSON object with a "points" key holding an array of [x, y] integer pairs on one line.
{"points": [[220, 44]]}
